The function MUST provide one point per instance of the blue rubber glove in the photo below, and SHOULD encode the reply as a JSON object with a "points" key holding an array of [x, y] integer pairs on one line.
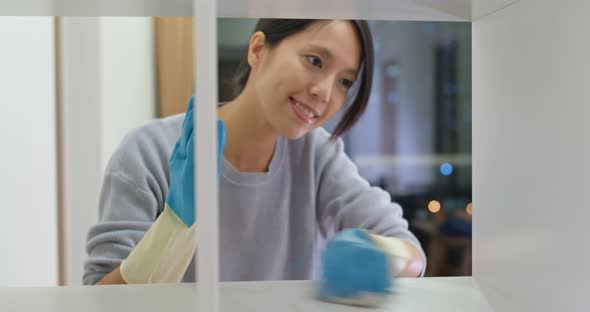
{"points": [[355, 270], [181, 196]]}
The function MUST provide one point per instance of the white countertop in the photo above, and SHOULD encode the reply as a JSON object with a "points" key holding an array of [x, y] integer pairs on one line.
{"points": [[439, 294]]}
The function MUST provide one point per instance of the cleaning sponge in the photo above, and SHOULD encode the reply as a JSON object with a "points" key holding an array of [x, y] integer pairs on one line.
{"points": [[355, 270]]}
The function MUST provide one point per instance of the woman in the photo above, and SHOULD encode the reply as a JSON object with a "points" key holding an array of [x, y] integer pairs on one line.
{"points": [[285, 184]]}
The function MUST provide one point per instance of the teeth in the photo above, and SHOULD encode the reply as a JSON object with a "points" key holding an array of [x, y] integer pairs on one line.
{"points": [[303, 109]]}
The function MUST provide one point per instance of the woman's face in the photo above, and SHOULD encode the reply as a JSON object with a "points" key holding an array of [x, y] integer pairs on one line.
{"points": [[303, 81]]}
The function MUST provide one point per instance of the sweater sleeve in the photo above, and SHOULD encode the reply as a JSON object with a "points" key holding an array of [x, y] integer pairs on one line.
{"points": [[125, 213], [133, 193], [346, 200]]}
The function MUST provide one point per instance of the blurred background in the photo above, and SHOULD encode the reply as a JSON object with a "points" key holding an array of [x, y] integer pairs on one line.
{"points": [[75, 86]]}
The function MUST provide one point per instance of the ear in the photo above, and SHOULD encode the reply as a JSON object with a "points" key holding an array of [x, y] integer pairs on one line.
{"points": [[256, 49]]}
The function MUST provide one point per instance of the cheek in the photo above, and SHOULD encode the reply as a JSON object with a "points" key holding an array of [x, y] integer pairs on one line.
{"points": [[291, 74], [293, 78], [279, 81]]}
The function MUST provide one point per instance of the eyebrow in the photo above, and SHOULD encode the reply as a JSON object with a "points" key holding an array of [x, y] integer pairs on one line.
{"points": [[328, 54]]}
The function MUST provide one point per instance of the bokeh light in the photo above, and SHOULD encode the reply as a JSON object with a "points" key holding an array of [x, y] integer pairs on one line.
{"points": [[434, 206], [446, 169]]}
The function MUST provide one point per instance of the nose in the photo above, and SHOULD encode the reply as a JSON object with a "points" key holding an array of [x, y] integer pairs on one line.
{"points": [[322, 89]]}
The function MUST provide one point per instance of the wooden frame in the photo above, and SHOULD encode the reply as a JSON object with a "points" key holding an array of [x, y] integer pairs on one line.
{"points": [[174, 62]]}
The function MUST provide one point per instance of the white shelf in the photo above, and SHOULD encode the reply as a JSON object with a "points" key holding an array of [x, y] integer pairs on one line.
{"points": [[434, 10], [441, 294], [481, 8]]}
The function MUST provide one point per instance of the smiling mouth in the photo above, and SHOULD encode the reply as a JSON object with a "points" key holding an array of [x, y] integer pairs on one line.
{"points": [[302, 111]]}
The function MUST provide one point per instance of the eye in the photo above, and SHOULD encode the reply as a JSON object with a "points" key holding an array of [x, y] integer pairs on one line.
{"points": [[315, 61], [346, 83]]}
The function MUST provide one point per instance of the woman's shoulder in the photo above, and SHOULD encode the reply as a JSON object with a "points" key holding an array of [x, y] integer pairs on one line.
{"points": [[317, 143], [320, 139], [156, 130], [148, 145]]}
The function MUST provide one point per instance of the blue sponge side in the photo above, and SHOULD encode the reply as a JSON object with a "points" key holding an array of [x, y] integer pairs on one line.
{"points": [[353, 265]]}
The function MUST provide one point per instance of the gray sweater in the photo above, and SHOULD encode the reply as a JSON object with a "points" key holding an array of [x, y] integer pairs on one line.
{"points": [[272, 225]]}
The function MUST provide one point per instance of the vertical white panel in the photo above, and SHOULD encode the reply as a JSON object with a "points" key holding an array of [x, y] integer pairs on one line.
{"points": [[127, 77], [81, 136], [206, 190], [28, 227], [108, 76], [530, 153]]}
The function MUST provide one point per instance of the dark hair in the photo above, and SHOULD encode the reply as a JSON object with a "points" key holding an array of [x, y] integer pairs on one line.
{"points": [[275, 30]]}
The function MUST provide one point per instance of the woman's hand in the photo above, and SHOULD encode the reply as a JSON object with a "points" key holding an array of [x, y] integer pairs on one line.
{"points": [[359, 267], [405, 257]]}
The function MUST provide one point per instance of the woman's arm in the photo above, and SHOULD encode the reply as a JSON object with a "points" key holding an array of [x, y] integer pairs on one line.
{"points": [[125, 215], [348, 201], [113, 278], [162, 255]]}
